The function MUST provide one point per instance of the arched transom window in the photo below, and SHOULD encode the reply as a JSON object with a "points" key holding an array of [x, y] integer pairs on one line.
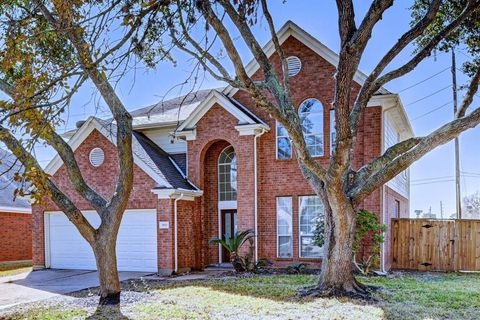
{"points": [[311, 116], [227, 175]]}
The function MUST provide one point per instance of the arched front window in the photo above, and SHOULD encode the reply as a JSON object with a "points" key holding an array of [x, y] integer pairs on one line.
{"points": [[311, 116], [227, 175]]}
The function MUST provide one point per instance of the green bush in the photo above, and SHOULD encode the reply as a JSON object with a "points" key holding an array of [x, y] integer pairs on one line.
{"points": [[368, 229]]}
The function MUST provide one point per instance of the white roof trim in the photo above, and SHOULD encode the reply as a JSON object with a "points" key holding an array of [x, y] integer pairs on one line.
{"points": [[393, 104], [250, 129], [291, 29], [212, 98], [177, 193], [5, 209], [82, 133]]}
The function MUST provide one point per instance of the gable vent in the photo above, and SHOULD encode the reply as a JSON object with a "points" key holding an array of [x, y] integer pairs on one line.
{"points": [[294, 66], [97, 156]]}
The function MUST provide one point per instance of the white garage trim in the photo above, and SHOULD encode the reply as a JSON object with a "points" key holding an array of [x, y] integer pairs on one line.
{"points": [[133, 228]]}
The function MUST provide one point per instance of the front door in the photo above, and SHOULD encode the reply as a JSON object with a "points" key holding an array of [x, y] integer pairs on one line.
{"points": [[229, 228]]}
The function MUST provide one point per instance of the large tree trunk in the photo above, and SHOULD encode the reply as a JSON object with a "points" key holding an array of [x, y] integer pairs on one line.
{"points": [[337, 273], [336, 277], [104, 249]]}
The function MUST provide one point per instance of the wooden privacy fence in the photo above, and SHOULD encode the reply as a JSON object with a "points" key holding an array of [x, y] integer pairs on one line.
{"points": [[437, 245]]}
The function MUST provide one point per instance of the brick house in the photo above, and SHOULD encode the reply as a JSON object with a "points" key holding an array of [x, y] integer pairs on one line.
{"points": [[15, 214], [211, 163]]}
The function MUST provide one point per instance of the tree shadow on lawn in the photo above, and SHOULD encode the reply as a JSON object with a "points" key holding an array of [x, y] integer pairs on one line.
{"points": [[108, 312], [401, 296]]}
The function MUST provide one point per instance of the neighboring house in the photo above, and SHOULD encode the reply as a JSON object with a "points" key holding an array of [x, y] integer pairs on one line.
{"points": [[15, 214], [228, 166]]}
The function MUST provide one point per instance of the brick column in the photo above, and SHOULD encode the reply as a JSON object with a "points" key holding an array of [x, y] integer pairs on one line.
{"points": [[38, 237], [165, 236], [245, 187]]}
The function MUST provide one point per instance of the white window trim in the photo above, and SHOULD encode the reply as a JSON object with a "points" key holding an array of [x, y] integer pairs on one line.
{"points": [[323, 126], [224, 205], [299, 232], [276, 142], [291, 223], [218, 174], [332, 129]]}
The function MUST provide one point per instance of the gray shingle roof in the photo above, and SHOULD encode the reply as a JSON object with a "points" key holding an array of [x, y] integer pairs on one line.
{"points": [[154, 157], [172, 104], [163, 161], [9, 165], [181, 160]]}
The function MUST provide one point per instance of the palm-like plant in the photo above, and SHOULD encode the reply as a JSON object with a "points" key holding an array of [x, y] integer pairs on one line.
{"points": [[233, 245]]}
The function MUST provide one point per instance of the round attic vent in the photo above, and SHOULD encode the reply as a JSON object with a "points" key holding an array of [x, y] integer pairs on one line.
{"points": [[97, 156], [294, 65]]}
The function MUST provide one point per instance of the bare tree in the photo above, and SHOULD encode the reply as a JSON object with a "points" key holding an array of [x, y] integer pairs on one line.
{"points": [[340, 187], [471, 205], [49, 49]]}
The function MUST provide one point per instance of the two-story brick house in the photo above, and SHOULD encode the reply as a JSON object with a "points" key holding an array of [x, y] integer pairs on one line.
{"points": [[211, 163]]}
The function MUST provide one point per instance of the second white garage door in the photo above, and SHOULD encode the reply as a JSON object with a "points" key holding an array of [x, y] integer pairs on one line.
{"points": [[136, 242]]}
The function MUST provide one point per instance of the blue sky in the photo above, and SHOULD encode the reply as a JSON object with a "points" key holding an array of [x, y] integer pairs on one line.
{"points": [[427, 104]]}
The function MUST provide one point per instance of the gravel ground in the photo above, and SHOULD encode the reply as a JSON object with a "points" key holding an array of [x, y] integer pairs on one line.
{"points": [[133, 292]]}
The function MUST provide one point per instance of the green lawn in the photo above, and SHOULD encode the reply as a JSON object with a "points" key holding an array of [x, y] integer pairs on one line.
{"points": [[410, 296], [8, 269]]}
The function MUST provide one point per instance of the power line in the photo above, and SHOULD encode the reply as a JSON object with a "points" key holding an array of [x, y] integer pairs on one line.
{"points": [[433, 110], [431, 178], [428, 96], [424, 80], [471, 173], [435, 180], [432, 182]]}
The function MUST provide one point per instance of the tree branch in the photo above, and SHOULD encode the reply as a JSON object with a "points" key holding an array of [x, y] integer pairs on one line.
{"points": [[374, 14], [346, 20], [276, 43], [68, 157], [472, 90], [473, 5], [60, 199], [393, 152], [425, 144], [366, 91], [74, 34]]}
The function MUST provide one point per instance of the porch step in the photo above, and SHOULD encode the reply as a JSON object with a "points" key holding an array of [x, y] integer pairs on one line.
{"points": [[220, 267]]}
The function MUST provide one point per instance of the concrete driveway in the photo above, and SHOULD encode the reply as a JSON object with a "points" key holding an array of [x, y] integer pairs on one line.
{"points": [[43, 284]]}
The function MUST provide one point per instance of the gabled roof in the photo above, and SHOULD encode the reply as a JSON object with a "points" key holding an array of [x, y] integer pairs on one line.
{"points": [[9, 166], [147, 155], [244, 116], [169, 111], [290, 29]]}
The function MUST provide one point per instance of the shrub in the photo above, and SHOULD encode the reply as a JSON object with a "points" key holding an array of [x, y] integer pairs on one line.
{"points": [[233, 245], [368, 231], [371, 231]]}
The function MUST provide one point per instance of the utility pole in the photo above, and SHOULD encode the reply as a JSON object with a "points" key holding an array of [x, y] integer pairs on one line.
{"points": [[441, 210], [457, 142]]}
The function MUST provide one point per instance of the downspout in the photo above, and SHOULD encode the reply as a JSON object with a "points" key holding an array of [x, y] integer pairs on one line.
{"points": [[384, 213], [256, 189], [384, 190], [175, 234]]}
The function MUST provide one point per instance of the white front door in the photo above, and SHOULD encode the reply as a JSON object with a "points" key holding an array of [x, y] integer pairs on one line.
{"points": [[136, 242]]}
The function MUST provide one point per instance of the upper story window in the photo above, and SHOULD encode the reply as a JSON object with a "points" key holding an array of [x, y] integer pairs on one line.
{"points": [[227, 175], [284, 146], [311, 116], [333, 132]]}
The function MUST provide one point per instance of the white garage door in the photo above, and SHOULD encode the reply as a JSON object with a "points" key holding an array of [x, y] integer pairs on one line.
{"points": [[136, 242]]}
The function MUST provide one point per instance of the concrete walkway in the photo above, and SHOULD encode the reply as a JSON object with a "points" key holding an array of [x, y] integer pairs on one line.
{"points": [[43, 284]]}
